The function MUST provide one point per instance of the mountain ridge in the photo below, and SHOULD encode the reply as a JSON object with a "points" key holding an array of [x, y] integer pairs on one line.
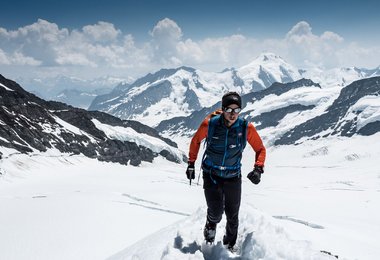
{"points": [[294, 112], [28, 124], [176, 92]]}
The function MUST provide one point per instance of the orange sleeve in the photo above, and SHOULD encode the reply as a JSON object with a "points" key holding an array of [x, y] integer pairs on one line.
{"points": [[197, 139], [255, 141]]}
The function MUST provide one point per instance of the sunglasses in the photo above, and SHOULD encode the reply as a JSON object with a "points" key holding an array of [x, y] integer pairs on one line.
{"points": [[230, 110]]}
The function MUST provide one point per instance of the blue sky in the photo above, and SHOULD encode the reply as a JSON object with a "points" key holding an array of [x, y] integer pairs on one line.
{"points": [[136, 36], [199, 19]]}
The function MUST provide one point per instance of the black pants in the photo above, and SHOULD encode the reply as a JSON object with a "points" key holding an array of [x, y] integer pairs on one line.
{"points": [[223, 195]]}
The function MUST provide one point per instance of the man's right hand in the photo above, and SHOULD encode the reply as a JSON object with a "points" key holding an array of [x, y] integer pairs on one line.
{"points": [[255, 175], [190, 172]]}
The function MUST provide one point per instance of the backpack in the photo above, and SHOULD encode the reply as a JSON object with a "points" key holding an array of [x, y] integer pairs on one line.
{"points": [[214, 117], [242, 141]]}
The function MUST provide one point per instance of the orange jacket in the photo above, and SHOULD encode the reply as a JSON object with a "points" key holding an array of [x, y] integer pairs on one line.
{"points": [[253, 139]]}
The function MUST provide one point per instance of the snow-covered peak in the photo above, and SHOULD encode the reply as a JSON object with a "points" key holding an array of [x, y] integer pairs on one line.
{"points": [[267, 69], [264, 59], [269, 56], [170, 93], [339, 76]]}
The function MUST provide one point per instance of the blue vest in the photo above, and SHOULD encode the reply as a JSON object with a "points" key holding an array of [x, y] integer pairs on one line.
{"points": [[225, 146]]}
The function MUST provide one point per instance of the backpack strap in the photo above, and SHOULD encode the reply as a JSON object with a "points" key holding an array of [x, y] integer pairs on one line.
{"points": [[211, 127], [244, 125]]}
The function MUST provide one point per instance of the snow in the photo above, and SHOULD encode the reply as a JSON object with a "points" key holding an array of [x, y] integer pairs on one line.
{"points": [[72, 128], [207, 86], [335, 77], [6, 88], [161, 111], [320, 98], [214, 86], [304, 96], [270, 63], [321, 195], [369, 109], [262, 239], [71, 207], [130, 135]]}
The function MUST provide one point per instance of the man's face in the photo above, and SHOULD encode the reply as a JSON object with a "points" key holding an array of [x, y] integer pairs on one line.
{"points": [[231, 117]]}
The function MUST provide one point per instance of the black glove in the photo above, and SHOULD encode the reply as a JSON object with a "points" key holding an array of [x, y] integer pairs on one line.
{"points": [[255, 175], [190, 172]]}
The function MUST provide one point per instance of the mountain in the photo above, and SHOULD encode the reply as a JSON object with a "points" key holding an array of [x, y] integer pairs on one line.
{"points": [[170, 93], [187, 125], [30, 124], [267, 69], [77, 98], [296, 111], [355, 111], [74, 91]]}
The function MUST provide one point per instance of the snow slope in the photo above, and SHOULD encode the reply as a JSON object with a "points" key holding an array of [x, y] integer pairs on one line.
{"points": [[316, 196], [260, 238], [56, 206]]}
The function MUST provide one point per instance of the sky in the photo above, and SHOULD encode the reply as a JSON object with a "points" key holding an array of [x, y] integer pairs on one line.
{"points": [[131, 38]]}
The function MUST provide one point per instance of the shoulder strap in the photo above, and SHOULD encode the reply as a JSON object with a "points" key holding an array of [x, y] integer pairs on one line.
{"points": [[244, 125], [243, 129], [211, 127]]}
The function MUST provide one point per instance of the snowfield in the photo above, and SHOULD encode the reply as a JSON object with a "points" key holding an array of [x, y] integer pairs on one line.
{"points": [[318, 196]]}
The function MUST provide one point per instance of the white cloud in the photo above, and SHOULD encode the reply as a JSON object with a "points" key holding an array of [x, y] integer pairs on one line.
{"points": [[17, 58], [190, 51], [102, 48], [33, 44], [166, 35], [301, 30], [355, 55], [74, 59], [304, 48], [102, 32], [3, 58], [166, 30], [331, 36]]}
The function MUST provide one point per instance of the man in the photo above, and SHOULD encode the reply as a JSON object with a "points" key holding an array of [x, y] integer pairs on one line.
{"points": [[226, 135]]}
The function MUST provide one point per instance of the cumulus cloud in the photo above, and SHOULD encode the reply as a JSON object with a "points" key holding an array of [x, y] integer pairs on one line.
{"points": [[102, 48], [166, 35], [355, 55], [33, 44], [300, 30], [331, 36], [17, 58], [3, 58], [101, 32], [304, 47]]}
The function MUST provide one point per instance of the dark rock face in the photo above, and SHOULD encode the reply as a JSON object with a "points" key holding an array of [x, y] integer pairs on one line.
{"points": [[280, 88], [331, 122], [28, 123], [333, 119], [272, 118]]}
